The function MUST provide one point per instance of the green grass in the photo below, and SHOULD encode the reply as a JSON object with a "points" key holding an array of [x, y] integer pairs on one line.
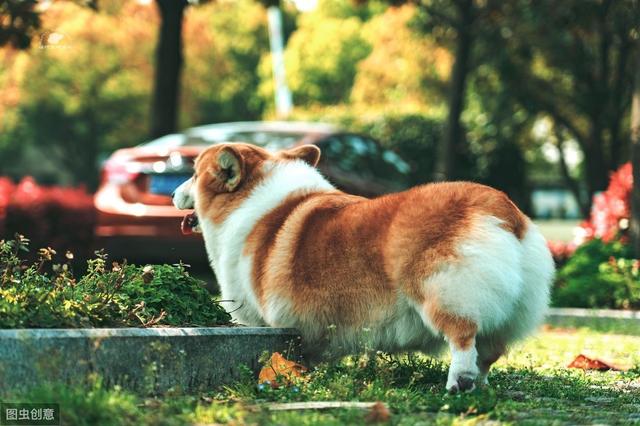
{"points": [[557, 229], [629, 327], [530, 386]]}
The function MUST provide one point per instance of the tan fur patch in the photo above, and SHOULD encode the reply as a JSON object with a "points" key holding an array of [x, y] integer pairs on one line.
{"points": [[460, 331]]}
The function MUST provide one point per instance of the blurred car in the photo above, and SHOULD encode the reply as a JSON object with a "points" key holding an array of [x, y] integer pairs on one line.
{"points": [[137, 220]]}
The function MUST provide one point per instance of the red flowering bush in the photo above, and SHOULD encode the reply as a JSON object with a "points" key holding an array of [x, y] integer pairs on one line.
{"points": [[561, 251], [6, 187], [602, 272], [611, 209], [58, 217]]}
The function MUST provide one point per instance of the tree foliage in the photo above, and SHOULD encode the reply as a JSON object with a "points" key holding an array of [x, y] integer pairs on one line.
{"points": [[224, 45], [322, 57], [86, 92], [19, 22], [87, 89], [571, 61], [403, 68]]}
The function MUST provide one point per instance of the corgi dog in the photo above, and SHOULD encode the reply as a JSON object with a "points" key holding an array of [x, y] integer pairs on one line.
{"points": [[452, 263]]}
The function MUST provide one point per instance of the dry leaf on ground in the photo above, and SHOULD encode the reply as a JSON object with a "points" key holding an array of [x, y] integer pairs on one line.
{"points": [[586, 363], [280, 369]]}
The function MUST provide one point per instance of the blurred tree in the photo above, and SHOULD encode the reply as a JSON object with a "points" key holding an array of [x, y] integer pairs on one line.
{"points": [[166, 83], [322, 54], [570, 61], [84, 91], [498, 132], [455, 25], [456, 19], [224, 42], [405, 70], [239, 44], [321, 58], [19, 22]]}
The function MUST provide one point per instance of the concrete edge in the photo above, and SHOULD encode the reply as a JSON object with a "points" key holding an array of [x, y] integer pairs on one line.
{"points": [[593, 313], [150, 361], [22, 333]]}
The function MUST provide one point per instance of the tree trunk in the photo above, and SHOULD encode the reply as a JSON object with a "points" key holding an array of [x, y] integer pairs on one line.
{"points": [[635, 159], [445, 161], [597, 172], [572, 184], [166, 88]]}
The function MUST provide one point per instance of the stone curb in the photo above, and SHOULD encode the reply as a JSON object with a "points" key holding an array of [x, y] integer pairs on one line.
{"points": [[607, 321], [594, 313], [149, 361]]}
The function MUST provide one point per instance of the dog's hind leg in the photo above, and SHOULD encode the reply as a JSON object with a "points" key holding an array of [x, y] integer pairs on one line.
{"points": [[463, 371], [490, 349], [460, 333]]}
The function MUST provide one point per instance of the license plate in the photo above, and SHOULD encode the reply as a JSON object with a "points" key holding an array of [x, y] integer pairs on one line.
{"points": [[166, 184]]}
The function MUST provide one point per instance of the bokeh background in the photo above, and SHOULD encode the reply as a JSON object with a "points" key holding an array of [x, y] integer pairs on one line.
{"points": [[531, 97]]}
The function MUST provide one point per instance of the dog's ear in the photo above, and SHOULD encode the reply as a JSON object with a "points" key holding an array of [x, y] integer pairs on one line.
{"points": [[310, 154], [230, 171]]}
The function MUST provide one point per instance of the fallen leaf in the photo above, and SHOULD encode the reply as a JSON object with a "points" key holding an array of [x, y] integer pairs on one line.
{"points": [[379, 413], [280, 368], [559, 330], [586, 363]]}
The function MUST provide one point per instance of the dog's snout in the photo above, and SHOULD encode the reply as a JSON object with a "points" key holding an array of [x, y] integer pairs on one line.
{"points": [[181, 196]]}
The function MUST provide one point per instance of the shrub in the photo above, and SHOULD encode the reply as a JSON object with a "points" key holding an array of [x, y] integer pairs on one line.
{"points": [[599, 275], [48, 216], [611, 209], [46, 294]]}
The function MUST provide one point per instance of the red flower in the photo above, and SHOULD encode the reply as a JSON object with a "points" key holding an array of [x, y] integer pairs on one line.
{"points": [[611, 209]]}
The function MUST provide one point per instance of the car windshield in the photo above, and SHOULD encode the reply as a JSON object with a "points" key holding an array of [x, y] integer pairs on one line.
{"points": [[267, 139], [168, 141]]}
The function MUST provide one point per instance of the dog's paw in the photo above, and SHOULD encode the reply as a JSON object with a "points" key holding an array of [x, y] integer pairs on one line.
{"points": [[482, 381], [464, 382]]}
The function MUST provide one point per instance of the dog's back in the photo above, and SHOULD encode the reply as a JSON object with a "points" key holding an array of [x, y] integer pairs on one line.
{"points": [[453, 252]]}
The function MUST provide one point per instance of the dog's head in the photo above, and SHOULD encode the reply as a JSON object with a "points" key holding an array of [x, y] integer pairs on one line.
{"points": [[225, 174]]}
